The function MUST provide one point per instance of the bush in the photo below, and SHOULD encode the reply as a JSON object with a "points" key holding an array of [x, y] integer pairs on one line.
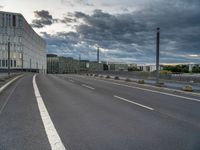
{"points": [[96, 75], [188, 88], [141, 82], [161, 83], [165, 72], [128, 80], [108, 77], [117, 78]]}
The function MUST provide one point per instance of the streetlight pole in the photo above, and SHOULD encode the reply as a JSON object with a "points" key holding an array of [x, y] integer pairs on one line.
{"points": [[8, 61], [98, 65], [157, 55]]}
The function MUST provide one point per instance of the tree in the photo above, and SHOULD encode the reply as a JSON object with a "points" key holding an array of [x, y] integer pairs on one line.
{"points": [[196, 69]]}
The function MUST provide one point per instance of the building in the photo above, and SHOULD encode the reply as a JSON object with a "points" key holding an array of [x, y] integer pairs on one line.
{"points": [[52, 63], [118, 67], [148, 68], [27, 48], [58, 64]]}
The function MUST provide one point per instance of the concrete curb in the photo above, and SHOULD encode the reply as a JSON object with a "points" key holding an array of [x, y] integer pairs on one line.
{"points": [[9, 83], [156, 88]]}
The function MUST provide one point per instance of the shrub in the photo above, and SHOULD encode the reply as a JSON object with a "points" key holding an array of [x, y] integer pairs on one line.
{"points": [[188, 88], [117, 78], [141, 82], [108, 77], [128, 80]]}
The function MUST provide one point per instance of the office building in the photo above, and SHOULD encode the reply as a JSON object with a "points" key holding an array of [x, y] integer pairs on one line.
{"points": [[27, 48]]}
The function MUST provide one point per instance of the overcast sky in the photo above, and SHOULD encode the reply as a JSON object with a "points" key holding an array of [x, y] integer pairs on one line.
{"points": [[125, 30]]}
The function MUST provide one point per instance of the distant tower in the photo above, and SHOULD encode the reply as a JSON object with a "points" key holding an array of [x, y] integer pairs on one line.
{"points": [[97, 54]]}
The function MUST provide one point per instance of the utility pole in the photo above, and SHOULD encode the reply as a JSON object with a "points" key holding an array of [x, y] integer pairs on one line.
{"points": [[97, 54], [8, 61], [157, 55], [98, 59], [79, 63]]}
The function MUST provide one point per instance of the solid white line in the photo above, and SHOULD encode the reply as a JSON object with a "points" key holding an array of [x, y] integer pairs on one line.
{"points": [[8, 83], [89, 87], [8, 98], [153, 91], [121, 98], [163, 93], [52, 134]]}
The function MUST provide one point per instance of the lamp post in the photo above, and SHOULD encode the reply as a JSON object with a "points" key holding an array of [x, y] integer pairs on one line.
{"points": [[98, 65], [157, 55], [8, 61]]}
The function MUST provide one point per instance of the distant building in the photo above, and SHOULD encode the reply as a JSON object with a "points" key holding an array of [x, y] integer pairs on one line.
{"points": [[95, 66], [148, 68], [27, 48], [52, 63], [117, 67], [57, 64], [193, 65]]}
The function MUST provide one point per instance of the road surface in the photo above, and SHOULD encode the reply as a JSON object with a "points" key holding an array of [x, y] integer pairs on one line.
{"points": [[90, 114]]}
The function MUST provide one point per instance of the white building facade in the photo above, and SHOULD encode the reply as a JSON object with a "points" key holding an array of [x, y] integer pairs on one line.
{"points": [[27, 48]]}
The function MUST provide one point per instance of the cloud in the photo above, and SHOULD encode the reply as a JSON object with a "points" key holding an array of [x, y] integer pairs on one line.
{"points": [[130, 36], [73, 3], [1, 7], [43, 18]]}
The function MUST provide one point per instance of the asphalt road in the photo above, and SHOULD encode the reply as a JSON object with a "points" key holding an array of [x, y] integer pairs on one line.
{"points": [[90, 114]]}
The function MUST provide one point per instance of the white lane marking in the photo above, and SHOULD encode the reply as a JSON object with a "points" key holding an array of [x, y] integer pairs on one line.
{"points": [[8, 98], [52, 134], [89, 87], [8, 83], [124, 99], [163, 93]]}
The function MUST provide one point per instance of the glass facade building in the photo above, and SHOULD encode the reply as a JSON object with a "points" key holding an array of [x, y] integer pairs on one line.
{"points": [[27, 48]]}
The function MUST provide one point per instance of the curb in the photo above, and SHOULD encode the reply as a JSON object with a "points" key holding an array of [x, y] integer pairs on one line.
{"points": [[157, 88], [9, 83]]}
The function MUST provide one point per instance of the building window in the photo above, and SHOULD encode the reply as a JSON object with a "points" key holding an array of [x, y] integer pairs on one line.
{"points": [[20, 21], [11, 63], [3, 20], [9, 20], [3, 63], [14, 21], [14, 63]]}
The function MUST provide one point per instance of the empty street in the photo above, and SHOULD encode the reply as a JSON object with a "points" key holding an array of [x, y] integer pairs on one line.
{"points": [[76, 112]]}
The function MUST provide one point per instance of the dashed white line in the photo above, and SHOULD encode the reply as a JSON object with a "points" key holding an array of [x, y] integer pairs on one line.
{"points": [[52, 134], [89, 87], [124, 99], [153, 91]]}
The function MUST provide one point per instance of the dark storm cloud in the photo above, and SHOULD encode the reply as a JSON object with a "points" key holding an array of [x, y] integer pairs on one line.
{"points": [[131, 36], [43, 18]]}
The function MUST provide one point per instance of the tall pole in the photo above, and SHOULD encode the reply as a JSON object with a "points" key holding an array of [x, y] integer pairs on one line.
{"points": [[98, 59], [79, 63], [157, 55], [97, 54], [8, 57]]}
